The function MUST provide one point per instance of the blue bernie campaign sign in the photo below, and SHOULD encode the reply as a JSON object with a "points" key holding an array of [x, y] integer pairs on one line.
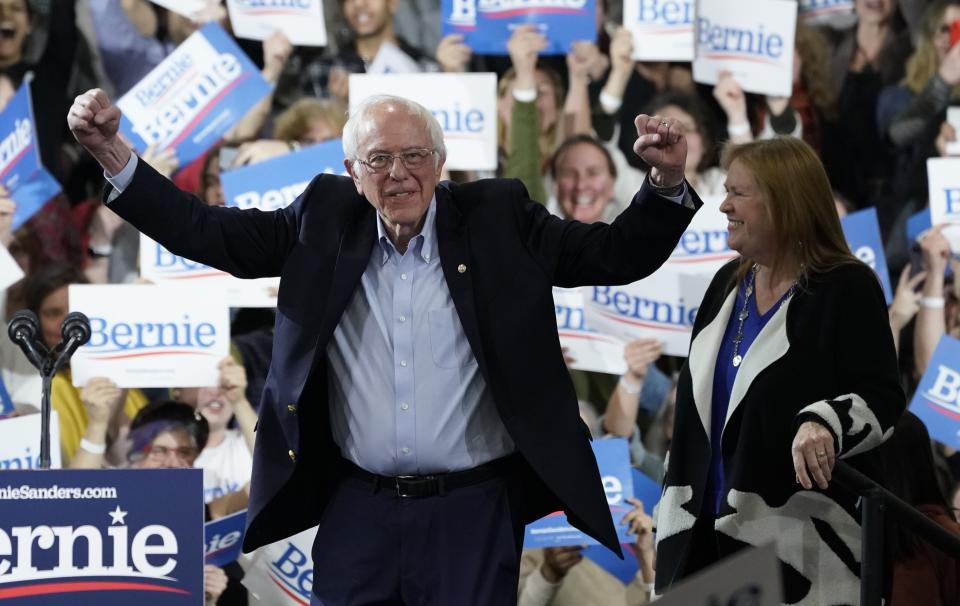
{"points": [[647, 490], [193, 97], [223, 539], [486, 25], [937, 399], [613, 459], [275, 183], [19, 152], [918, 223], [862, 231], [109, 537], [32, 195]]}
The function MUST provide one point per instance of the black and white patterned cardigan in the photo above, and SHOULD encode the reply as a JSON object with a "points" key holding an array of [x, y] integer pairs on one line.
{"points": [[826, 353]]}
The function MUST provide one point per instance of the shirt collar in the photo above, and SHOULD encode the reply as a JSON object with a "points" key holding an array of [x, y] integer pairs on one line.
{"points": [[423, 244]]}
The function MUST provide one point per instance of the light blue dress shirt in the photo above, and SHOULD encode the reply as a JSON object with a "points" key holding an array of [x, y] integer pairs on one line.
{"points": [[406, 393]]}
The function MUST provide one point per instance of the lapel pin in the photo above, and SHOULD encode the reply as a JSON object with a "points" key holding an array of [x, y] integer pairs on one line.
{"points": [[462, 268]]}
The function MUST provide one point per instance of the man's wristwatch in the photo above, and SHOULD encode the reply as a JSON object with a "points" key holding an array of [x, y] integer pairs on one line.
{"points": [[668, 192]]}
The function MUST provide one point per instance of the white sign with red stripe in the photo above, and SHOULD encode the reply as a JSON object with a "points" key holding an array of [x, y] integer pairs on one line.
{"points": [[662, 29], [752, 40], [145, 335], [300, 20], [160, 266], [281, 574], [589, 349], [653, 307]]}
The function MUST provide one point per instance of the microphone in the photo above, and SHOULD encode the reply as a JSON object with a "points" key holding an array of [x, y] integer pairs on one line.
{"points": [[22, 330], [75, 331]]}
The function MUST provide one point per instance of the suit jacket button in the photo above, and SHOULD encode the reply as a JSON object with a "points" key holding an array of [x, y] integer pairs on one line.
{"points": [[292, 455], [291, 408]]}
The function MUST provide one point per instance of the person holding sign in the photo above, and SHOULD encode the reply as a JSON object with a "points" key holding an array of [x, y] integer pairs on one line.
{"points": [[791, 367], [413, 322]]}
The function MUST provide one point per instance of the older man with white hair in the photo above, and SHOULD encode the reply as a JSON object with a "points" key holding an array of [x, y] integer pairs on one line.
{"points": [[418, 408]]}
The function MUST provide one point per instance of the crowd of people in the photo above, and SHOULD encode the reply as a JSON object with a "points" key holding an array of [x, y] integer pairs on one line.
{"points": [[870, 99]]}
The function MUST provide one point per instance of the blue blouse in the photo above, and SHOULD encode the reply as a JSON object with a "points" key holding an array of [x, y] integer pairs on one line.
{"points": [[724, 375]]}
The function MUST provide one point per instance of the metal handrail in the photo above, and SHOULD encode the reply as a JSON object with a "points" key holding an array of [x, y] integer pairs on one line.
{"points": [[876, 500]]}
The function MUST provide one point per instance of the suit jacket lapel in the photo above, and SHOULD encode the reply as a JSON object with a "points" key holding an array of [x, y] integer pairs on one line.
{"points": [[454, 246], [353, 255]]}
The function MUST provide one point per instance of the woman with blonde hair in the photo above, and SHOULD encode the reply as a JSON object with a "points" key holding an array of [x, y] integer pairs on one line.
{"points": [[791, 367]]}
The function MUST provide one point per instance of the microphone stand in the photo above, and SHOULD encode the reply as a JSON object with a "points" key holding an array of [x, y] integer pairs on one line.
{"points": [[52, 363]]}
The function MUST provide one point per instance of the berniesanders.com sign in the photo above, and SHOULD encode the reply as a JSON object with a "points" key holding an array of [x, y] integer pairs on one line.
{"points": [[105, 537]]}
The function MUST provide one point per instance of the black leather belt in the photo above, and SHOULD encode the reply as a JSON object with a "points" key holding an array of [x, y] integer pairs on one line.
{"points": [[418, 487]]}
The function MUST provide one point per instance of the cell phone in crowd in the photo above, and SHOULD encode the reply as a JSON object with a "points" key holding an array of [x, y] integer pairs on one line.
{"points": [[227, 156], [954, 32]]}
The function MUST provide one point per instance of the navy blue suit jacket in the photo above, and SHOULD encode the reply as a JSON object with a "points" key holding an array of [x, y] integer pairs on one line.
{"points": [[514, 252]]}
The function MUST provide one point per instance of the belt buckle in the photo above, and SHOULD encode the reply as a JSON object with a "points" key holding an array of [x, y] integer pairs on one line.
{"points": [[397, 484]]}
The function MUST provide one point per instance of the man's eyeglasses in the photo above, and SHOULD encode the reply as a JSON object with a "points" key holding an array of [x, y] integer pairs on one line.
{"points": [[412, 159]]}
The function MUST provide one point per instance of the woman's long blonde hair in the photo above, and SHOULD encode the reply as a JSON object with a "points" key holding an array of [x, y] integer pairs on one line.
{"points": [[923, 63], [798, 201]]}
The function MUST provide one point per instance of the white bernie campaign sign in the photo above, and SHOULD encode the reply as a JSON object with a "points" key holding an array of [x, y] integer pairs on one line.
{"points": [[752, 40], [145, 335], [589, 349], [664, 304], [281, 574], [662, 29], [943, 180], [160, 266], [10, 272], [749, 577], [464, 104], [653, 307], [187, 8], [300, 20], [703, 248], [20, 442]]}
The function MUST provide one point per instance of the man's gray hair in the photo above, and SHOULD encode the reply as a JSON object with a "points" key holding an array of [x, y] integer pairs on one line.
{"points": [[359, 115]]}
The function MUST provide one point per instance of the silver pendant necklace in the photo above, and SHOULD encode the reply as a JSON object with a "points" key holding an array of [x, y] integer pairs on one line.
{"points": [[745, 312]]}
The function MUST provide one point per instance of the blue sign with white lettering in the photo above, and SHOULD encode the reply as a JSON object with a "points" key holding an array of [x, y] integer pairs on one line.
{"points": [[486, 25], [194, 97], [110, 537], [33, 195], [223, 539], [937, 399], [275, 183], [19, 152], [613, 459], [862, 231]]}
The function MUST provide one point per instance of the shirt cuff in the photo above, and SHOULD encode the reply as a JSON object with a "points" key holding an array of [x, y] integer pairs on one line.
{"points": [[122, 179], [678, 199]]}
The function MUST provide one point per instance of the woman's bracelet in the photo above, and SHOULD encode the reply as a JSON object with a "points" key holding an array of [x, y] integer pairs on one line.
{"points": [[631, 388], [933, 302], [92, 448]]}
